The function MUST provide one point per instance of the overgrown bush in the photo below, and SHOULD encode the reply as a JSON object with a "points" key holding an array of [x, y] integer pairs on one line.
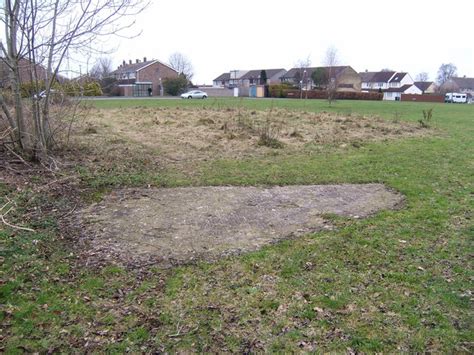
{"points": [[175, 86], [279, 90]]}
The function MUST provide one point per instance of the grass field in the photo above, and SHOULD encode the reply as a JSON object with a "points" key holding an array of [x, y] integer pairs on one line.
{"points": [[398, 281]]}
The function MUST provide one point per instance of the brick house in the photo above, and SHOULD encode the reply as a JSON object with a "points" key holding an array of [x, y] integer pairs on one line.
{"points": [[344, 77], [25, 68], [142, 78]]}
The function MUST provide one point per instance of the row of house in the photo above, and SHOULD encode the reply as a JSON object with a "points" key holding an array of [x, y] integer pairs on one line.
{"points": [[344, 78], [145, 78]]}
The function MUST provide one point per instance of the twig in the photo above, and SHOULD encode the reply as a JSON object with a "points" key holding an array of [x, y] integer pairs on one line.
{"points": [[18, 156], [68, 213], [178, 332], [2, 217]]}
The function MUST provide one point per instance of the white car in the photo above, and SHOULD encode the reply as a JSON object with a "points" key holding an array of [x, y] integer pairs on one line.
{"points": [[194, 94]]}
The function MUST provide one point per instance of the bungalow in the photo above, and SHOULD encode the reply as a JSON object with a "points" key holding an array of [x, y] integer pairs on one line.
{"points": [[426, 87], [142, 78], [344, 77]]}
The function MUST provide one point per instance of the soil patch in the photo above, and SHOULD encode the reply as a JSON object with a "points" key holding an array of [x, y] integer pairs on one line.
{"points": [[179, 225]]}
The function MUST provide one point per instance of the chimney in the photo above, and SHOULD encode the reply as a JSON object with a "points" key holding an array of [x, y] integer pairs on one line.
{"points": [[366, 70], [137, 60], [129, 61], [144, 59], [123, 63]]}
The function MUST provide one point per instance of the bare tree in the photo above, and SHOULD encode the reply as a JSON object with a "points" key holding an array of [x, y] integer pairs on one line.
{"points": [[102, 68], [181, 64], [42, 35], [446, 72], [301, 75], [423, 76], [331, 60]]}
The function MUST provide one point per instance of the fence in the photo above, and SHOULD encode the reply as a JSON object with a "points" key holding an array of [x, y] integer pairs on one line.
{"points": [[422, 98]]}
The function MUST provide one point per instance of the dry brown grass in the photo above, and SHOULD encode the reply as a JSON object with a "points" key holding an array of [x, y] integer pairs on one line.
{"points": [[180, 135]]}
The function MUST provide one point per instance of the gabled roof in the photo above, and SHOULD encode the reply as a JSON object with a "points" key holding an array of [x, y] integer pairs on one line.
{"points": [[255, 74], [366, 76], [223, 77], [423, 85], [134, 67], [400, 89], [381, 77], [335, 71], [464, 83], [398, 77]]}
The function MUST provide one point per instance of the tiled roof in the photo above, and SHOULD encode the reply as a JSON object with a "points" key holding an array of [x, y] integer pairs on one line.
{"points": [[400, 89], [336, 71], [366, 76], [398, 77], [223, 77], [134, 67], [423, 85], [381, 77], [252, 74], [464, 83]]}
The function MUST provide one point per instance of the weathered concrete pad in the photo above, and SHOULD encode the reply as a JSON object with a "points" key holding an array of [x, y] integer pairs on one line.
{"points": [[184, 224]]}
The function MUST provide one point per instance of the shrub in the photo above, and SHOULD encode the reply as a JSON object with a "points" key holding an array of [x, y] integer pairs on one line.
{"points": [[426, 120], [175, 86], [279, 90], [92, 88]]}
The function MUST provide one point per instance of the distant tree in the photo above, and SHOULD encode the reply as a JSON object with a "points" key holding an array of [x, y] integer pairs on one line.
{"points": [[101, 69], [181, 64], [263, 77], [297, 78], [102, 72], [175, 86], [446, 72], [320, 77], [331, 59], [423, 76], [387, 69], [300, 77]]}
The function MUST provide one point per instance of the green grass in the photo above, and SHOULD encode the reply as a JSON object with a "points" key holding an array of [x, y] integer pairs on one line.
{"points": [[398, 281]]}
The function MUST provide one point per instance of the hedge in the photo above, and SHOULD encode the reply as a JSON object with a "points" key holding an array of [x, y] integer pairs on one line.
{"points": [[321, 94]]}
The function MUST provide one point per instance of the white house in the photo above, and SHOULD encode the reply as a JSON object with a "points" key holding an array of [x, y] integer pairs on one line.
{"points": [[393, 84], [376, 80], [395, 93]]}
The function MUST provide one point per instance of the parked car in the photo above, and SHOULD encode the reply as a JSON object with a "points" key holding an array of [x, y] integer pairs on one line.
{"points": [[194, 94]]}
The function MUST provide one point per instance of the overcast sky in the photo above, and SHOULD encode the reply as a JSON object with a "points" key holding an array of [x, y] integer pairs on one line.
{"points": [[223, 35]]}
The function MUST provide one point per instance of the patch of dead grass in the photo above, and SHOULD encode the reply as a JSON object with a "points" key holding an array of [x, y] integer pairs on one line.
{"points": [[184, 135]]}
